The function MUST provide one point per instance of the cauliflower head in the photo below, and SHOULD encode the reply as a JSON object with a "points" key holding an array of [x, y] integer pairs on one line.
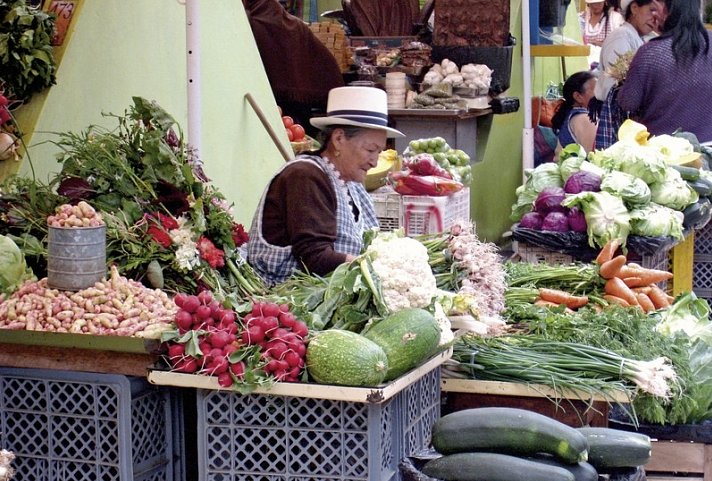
{"points": [[401, 264]]}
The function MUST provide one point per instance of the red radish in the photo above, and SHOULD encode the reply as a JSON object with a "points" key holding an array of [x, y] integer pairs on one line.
{"points": [[203, 312], [214, 353], [257, 309], [300, 349], [180, 299], [220, 338], [277, 349], [253, 335], [204, 346], [176, 351], [300, 329], [295, 371], [287, 319], [215, 309], [280, 333], [284, 307], [292, 358], [226, 316], [184, 320], [205, 297], [229, 349], [225, 379], [187, 365], [272, 365], [218, 365], [269, 324], [270, 309], [238, 369], [191, 303]]}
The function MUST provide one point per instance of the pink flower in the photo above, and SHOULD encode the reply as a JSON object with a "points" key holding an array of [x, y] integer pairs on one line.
{"points": [[208, 252], [167, 221]]}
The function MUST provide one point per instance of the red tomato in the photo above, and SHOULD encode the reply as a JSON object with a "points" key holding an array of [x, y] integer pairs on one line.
{"points": [[287, 121], [290, 135], [297, 131]]}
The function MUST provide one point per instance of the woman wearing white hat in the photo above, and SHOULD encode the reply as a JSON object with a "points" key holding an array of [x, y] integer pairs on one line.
{"points": [[641, 17], [314, 211]]}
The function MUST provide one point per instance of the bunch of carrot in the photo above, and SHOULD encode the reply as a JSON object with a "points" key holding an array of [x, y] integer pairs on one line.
{"points": [[629, 284], [557, 297]]}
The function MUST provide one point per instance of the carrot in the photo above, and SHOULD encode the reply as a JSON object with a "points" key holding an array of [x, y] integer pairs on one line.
{"points": [[610, 268], [616, 300], [659, 297], [562, 297], [653, 276], [607, 251], [629, 270], [543, 303], [616, 287], [644, 289], [634, 282], [645, 302]]}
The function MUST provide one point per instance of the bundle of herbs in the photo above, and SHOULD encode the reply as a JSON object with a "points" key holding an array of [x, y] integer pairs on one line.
{"points": [[167, 226]]}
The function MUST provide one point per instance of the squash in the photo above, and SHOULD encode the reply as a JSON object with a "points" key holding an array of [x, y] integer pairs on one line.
{"points": [[492, 467], [408, 337], [336, 356], [508, 431], [614, 448]]}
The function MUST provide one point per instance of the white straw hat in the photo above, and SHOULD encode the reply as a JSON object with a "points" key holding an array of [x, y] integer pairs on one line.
{"points": [[365, 107]]}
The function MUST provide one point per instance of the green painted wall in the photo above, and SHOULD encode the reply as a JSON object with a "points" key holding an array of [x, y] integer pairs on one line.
{"points": [[138, 48]]}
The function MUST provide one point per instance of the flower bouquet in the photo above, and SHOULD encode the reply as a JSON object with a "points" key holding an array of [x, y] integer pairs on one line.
{"points": [[167, 226]]}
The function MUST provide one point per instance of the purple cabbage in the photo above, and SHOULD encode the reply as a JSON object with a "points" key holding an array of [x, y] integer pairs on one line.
{"points": [[582, 181], [549, 200], [577, 221], [531, 220], [555, 222]]}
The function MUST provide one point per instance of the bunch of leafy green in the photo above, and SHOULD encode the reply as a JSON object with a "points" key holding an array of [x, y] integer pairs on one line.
{"points": [[27, 64], [13, 269]]}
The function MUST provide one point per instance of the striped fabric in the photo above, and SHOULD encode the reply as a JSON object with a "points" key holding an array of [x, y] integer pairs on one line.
{"points": [[276, 263]]}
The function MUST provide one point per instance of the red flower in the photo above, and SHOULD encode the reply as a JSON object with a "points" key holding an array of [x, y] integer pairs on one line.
{"points": [[159, 235], [167, 221], [239, 236], [208, 252]]}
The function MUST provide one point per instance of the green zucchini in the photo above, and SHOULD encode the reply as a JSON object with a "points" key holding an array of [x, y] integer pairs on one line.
{"points": [[509, 431], [702, 186], [582, 471], [408, 337], [687, 173], [614, 448], [697, 215], [492, 467]]}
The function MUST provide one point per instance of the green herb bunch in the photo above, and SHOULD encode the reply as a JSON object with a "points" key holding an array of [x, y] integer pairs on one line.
{"points": [[27, 64]]}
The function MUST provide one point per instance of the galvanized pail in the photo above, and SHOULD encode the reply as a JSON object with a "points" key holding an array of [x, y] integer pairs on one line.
{"points": [[76, 257]]}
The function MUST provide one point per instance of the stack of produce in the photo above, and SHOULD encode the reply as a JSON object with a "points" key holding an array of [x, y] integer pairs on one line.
{"points": [[509, 444], [439, 97], [634, 187], [455, 161], [333, 36], [472, 76], [167, 226]]}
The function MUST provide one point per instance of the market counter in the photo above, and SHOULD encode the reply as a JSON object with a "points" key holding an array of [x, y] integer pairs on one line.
{"points": [[459, 127], [129, 356], [574, 408]]}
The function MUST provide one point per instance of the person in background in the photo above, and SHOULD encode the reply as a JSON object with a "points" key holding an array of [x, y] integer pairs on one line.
{"points": [[640, 20], [669, 83], [299, 67], [571, 122], [315, 210], [597, 21]]}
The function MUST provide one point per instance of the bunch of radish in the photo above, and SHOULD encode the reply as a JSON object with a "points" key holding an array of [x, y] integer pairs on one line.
{"points": [[281, 336], [80, 215], [216, 330]]}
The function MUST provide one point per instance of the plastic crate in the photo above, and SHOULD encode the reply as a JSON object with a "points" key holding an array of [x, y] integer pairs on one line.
{"points": [[287, 438], [78, 426], [702, 264], [420, 214]]}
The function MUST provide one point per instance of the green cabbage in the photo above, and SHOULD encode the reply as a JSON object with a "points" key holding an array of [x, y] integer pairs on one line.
{"points": [[13, 269], [606, 216], [671, 148], [689, 315], [629, 188], [655, 220], [673, 191], [641, 161], [543, 176]]}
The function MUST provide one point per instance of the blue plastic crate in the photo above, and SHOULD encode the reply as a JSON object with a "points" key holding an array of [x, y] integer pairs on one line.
{"points": [[268, 438], [78, 426]]}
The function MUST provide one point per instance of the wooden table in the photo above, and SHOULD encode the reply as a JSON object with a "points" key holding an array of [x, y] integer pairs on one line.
{"points": [[573, 408]]}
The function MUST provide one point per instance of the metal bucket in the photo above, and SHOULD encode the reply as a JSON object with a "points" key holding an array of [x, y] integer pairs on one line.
{"points": [[76, 257]]}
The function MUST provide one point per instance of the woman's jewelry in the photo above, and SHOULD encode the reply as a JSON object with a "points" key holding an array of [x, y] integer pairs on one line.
{"points": [[337, 154]]}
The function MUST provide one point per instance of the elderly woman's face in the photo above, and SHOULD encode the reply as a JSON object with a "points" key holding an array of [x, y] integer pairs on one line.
{"points": [[359, 153], [644, 17]]}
